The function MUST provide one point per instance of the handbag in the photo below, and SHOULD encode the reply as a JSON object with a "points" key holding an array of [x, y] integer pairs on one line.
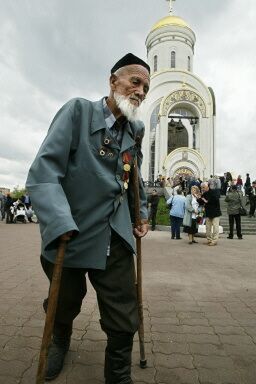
{"points": [[169, 206], [242, 210]]}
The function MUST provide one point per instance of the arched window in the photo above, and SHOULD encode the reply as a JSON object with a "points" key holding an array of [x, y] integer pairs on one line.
{"points": [[173, 59], [189, 64], [155, 63]]}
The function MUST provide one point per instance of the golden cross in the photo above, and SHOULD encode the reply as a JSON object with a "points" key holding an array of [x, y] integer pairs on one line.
{"points": [[171, 6]]}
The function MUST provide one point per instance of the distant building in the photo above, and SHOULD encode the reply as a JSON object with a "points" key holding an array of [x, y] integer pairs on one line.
{"points": [[4, 190], [179, 111]]}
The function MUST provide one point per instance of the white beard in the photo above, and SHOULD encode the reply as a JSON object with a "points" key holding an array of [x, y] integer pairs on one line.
{"points": [[130, 111]]}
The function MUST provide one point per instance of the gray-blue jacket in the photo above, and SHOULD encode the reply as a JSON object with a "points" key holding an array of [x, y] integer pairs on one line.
{"points": [[76, 184]]}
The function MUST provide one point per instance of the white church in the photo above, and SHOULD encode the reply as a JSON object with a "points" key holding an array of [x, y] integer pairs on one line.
{"points": [[179, 111]]}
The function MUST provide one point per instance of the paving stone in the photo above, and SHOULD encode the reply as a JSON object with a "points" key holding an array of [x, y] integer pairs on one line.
{"points": [[223, 321], [143, 375], [171, 347], [165, 320], [169, 337], [229, 330], [86, 374], [8, 380], [22, 354], [240, 350], [213, 362], [176, 376], [89, 358], [236, 339], [190, 315], [197, 329], [219, 376], [174, 360], [14, 368], [206, 349], [199, 321], [24, 342], [203, 339]]}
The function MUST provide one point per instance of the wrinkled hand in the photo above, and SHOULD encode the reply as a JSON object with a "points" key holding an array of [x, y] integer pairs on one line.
{"points": [[141, 230], [66, 236]]}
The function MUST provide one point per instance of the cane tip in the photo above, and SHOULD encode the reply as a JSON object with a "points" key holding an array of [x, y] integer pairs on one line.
{"points": [[143, 364]]}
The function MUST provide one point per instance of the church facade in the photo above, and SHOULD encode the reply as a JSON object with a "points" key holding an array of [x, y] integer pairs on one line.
{"points": [[179, 111]]}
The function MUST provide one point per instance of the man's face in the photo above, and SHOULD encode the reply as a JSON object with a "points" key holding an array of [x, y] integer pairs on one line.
{"points": [[204, 188], [132, 82]]}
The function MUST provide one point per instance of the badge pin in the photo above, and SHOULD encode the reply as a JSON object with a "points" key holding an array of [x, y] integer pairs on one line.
{"points": [[106, 141], [102, 152], [125, 185], [127, 167], [110, 154]]}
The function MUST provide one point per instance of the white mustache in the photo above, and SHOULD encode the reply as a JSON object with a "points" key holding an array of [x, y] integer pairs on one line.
{"points": [[136, 99]]}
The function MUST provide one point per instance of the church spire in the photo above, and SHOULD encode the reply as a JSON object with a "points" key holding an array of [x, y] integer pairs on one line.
{"points": [[171, 6]]}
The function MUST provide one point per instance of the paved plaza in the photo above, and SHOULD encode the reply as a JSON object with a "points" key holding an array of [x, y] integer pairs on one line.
{"points": [[200, 313]]}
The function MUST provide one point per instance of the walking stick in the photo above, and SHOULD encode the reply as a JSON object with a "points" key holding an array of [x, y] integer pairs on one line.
{"points": [[51, 311], [143, 361]]}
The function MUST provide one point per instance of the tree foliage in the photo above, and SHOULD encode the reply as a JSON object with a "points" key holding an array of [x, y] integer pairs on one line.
{"points": [[18, 192]]}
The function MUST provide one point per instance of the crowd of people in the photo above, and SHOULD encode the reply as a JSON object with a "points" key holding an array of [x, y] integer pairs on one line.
{"points": [[15, 210], [194, 202]]}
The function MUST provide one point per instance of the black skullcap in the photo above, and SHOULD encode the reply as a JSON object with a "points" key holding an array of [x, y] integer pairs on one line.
{"points": [[129, 59]]}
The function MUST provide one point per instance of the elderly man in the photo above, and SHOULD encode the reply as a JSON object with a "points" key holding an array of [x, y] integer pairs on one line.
{"points": [[211, 200], [80, 186]]}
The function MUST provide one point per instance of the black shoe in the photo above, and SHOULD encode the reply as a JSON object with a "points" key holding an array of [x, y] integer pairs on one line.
{"points": [[57, 352], [240, 238], [178, 238], [230, 237], [172, 237], [193, 241]]}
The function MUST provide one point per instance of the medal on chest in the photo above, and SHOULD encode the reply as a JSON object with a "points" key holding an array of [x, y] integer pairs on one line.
{"points": [[127, 160]]}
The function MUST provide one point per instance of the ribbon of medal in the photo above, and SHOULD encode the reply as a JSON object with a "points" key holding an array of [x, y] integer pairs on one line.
{"points": [[127, 158]]}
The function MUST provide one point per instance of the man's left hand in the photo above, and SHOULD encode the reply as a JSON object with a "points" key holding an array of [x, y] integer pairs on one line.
{"points": [[141, 230]]}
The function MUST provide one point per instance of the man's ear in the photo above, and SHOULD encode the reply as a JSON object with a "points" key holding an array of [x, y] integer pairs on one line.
{"points": [[112, 82]]}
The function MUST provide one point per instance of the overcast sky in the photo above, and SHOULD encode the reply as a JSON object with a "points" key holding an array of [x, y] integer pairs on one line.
{"points": [[53, 50]]}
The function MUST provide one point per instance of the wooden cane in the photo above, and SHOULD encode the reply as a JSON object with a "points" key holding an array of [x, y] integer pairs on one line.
{"points": [[51, 311], [143, 361]]}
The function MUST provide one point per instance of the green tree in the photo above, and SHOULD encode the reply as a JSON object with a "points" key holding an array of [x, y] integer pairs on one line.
{"points": [[18, 192]]}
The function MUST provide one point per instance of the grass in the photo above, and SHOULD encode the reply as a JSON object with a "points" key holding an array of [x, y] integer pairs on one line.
{"points": [[162, 216]]}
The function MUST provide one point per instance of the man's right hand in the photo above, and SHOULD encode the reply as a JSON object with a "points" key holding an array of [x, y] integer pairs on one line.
{"points": [[66, 236]]}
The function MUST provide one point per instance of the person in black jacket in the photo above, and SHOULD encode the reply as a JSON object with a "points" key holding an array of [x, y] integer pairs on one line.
{"points": [[251, 191], [153, 201], [211, 200], [8, 204]]}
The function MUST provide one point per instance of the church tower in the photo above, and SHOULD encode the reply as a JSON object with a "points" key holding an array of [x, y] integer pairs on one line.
{"points": [[179, 111]]}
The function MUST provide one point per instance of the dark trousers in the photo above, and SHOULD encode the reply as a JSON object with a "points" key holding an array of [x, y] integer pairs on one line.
{"points": [[9, 215], [175, 226], [252, 205], [115, 288], [153, 217], [237, 219]]}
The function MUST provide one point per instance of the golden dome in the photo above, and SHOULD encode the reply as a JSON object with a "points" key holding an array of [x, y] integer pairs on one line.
{"points": [[170, 20]]}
